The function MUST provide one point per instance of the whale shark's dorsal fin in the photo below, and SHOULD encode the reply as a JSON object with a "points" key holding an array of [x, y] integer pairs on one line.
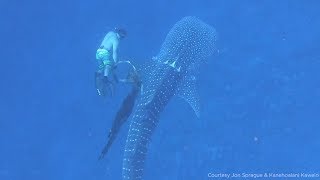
{"points": [[189, 92]]}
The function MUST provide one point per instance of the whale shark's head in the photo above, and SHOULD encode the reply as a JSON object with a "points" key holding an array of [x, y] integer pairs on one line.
{"points": [[188, 43]]}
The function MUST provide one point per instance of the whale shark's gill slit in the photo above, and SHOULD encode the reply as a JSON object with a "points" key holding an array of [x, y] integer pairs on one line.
{"points": [[170, 73]]}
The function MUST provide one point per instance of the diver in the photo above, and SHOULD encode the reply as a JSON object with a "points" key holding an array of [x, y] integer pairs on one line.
{"points": [[107, 56]]}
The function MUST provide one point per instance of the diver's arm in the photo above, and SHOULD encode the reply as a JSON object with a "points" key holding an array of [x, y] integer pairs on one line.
{"points": [[115, 51]]}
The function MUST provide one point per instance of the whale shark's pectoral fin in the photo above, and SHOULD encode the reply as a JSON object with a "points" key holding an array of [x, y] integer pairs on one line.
{"points": [[189, 92]]}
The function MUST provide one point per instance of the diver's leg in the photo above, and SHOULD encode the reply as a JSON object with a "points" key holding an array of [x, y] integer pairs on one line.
{"points": [[107, 80], [100, 86], [107, 70]]}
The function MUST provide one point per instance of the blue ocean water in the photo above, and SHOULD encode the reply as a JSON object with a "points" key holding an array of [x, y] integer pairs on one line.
{"points": [[259, 93]]}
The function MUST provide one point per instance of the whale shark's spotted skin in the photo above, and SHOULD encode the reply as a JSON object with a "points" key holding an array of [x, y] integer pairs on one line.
{"points": [[172, 73]]}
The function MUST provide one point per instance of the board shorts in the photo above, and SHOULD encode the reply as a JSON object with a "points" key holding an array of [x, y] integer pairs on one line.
{"points": [[104, 58]]}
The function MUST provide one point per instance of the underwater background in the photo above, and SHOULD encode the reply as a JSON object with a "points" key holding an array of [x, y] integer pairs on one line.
{"points": [[259, 93]]}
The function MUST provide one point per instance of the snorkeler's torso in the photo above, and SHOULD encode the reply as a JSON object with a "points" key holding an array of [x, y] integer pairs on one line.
{"points": [[108, 41]]}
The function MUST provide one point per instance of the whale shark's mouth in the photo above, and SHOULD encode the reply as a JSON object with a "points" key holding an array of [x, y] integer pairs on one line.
{"points": [[172, 72]]}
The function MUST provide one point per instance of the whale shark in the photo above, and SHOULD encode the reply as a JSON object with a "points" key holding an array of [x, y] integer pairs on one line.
{"points": [[172, 72]]}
